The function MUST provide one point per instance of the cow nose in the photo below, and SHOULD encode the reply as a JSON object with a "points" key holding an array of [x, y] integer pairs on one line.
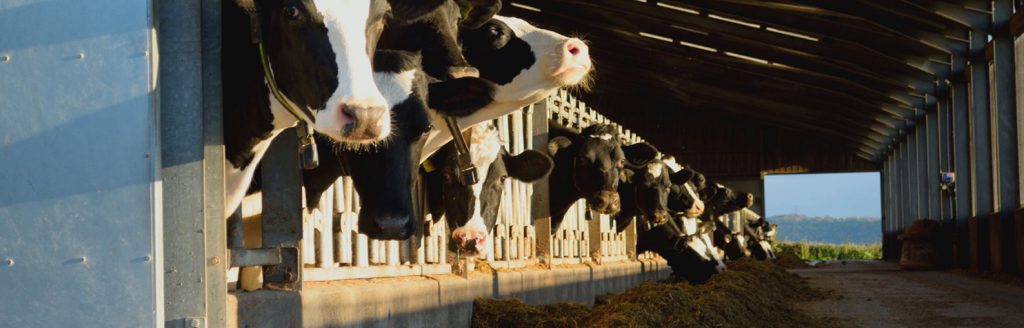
{"points": [[575, 48], [364, 122], [461, 72]]}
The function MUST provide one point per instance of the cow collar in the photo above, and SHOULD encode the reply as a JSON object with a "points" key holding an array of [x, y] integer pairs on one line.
{"points": [[307, 145]]}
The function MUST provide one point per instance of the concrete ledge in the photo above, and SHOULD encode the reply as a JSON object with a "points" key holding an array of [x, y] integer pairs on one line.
{"points": [[432, 301]]}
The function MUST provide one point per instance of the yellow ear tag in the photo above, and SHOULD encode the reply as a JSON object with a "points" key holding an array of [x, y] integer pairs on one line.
{"points": [[428, 166]]}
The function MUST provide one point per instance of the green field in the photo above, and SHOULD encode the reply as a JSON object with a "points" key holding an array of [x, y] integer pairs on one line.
{"points": [[818, 251]]}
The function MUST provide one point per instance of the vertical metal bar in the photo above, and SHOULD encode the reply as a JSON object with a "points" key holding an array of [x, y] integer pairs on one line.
{"points": [[982, 182], [213, 154], [194, 281], [539, 202], [282, 210], [1005, 110], [931, 174]]}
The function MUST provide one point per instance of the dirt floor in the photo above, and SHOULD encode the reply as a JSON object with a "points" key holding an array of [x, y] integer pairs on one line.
{"points": [[878, 294]]}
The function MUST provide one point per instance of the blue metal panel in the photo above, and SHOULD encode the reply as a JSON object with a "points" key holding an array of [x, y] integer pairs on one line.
{"points": [[78, 165]]}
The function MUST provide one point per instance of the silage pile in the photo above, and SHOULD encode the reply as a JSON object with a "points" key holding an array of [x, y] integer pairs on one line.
{"points": [[751, 294]]}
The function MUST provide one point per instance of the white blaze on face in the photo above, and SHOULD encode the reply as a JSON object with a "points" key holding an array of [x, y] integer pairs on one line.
{"points": [[671, 163], [654, 169], [713, 252], [484, 148], [698, 206], [346, 31]]}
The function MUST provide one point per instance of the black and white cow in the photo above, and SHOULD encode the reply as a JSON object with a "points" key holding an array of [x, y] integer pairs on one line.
{"points": [[646, 185], [588, 165], [434, 33], [685, 245], [382, 174], [318, 52], [760, 234], [527, 64], [472, 211]]}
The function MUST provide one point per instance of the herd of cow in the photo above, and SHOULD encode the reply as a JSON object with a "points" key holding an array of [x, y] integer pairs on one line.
{"points": [[372, 86]]}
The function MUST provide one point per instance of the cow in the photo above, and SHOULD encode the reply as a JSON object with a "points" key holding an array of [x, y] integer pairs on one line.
{"points": [[434, 33], [646, 185], [760, 233], [382, 174], [684, 244], [317, 54], [472, 211], [588, 165], [396, 222], [525, 62]]}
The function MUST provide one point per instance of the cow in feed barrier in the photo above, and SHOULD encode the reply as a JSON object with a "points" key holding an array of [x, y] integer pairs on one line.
{"points": [[646, 186], [303, 62], [395, 226], [588, 165], [525, 62], [382, 174], [684, 241], [472, 211]]}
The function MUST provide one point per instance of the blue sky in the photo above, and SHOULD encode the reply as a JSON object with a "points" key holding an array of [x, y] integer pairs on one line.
{"points": [[835, 195]]}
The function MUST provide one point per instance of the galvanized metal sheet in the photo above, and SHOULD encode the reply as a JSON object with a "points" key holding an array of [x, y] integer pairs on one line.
{"points": [[78, 165]]}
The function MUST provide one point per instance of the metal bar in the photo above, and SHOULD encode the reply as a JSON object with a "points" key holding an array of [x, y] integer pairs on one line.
{"points": [[981, 127], [282, 209], [192, 160], [244, 257], [1005, 110], [931, 174]]}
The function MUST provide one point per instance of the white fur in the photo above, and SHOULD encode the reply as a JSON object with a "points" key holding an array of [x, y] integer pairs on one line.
{"points": [[236, 181], [672, 164], [346, 30], [530, 86], [395, 87], [654, 169], [698, 205], [484, 148]]}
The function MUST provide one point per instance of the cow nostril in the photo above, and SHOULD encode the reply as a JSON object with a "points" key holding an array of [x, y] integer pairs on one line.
{"points": [[348, 112], [575, 47]]}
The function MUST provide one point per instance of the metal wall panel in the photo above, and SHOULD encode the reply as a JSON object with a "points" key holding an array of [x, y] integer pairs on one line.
{"points": [[80, 219]]}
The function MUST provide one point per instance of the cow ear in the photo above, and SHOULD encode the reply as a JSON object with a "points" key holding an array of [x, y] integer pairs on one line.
{"points": [[640, 154], [460, 97], [681, 177], [409, 10], [477, 12], [529, 166], [558, 143]]}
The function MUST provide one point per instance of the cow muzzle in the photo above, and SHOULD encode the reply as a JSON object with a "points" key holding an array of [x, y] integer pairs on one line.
{"points": [[386, 227], [469, 242], [604, 202], [364, 122]]}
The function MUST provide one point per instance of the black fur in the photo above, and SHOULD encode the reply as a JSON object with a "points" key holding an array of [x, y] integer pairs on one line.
{"points": [[585, 167], [496, 51]]}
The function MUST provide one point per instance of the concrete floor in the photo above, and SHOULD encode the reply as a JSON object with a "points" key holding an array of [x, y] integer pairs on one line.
{"points": [[878, 294]]}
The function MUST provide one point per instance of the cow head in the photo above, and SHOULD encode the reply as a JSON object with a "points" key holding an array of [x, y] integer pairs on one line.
{"points": [[683, 243], [319, 53], [683, 197], [431, 27], [382, 174], [472, 211], [597, 164], [722, 200], [647, 183], [526, 62]]}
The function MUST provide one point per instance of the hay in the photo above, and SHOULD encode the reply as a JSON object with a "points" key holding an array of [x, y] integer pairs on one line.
{"points": [[752, 294], [789, 260]]}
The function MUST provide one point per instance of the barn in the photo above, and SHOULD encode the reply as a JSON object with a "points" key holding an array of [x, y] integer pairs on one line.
{"points": [[117, 146]]}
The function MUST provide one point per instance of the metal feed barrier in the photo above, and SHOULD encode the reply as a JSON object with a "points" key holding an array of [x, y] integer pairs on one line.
{"points": [[332, 248]]}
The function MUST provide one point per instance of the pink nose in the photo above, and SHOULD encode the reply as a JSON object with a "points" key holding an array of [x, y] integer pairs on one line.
{"points": [[575, 48]]}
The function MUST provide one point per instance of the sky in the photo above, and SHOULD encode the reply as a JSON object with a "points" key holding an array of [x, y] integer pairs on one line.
{"points": [[835, 195]]}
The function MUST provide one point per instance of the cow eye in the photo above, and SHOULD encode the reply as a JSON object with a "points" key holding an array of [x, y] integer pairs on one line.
{"points": [[292, 12], [493, 31], [503, 178]]}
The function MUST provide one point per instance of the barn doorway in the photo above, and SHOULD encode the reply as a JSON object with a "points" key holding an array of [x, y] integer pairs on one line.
{"points": [[826, 216]]}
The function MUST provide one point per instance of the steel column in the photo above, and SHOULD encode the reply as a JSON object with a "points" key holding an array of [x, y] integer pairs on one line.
{"points": [[193, 164], [1004, 108], [931, 174], [981, 128]]}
